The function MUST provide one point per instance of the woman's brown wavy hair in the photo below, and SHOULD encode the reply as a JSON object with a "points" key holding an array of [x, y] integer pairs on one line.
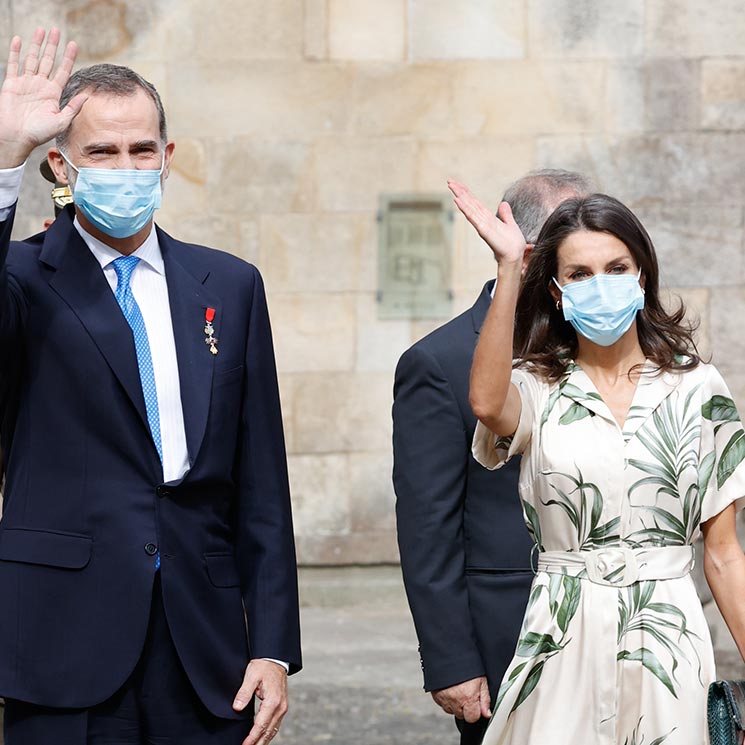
{"points": [[545, 341]]}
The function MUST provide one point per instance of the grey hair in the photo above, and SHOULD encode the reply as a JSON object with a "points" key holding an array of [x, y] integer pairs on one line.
{"points": [[116, 80], [533, 197]]}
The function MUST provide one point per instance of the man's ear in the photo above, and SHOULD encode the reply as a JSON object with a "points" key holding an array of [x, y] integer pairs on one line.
{"points": [[168, 153], [526, 257], [58, 166]]}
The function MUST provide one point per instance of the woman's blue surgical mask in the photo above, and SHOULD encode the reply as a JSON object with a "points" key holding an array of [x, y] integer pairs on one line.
{"points": [[603, 307], [118, 201]]}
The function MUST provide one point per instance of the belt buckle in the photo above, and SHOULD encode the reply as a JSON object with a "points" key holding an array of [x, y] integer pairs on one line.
{"points": [[613, 567]]}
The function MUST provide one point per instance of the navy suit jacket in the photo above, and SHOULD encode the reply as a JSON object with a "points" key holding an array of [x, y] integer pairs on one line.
{"points": [[85, 505], [464, 546]]}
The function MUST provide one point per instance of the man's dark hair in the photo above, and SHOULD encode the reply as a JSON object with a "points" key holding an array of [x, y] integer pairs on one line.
{"points": [[533, 197], [115, 80]]}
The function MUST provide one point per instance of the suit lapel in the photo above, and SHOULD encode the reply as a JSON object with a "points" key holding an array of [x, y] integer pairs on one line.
{"points": [[80, 282], [480, 308], [189, 300]]}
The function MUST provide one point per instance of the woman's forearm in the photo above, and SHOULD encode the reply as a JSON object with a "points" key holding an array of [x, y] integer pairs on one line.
{"points": [[491, 371], [725, 572]]}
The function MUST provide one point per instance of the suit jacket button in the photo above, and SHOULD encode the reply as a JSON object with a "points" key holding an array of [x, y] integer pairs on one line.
{"points": [[151, 549], [162, 491]]}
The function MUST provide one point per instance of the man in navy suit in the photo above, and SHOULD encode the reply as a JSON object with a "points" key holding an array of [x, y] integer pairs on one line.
{"points": [[465, 551], [147, 563]]}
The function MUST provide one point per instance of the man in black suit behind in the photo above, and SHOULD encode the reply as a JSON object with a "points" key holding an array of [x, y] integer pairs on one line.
{"points": [[465, 551]]}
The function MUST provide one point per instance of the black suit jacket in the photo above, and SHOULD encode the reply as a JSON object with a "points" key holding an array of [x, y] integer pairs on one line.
{"points": [[84, 500], [464, 546]]}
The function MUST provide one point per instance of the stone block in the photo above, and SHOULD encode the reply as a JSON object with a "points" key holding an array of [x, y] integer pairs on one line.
{"points": [[215, 231], [185, 189], [7, 30], [690, 28], [727, 339], [625, 101], [319, 252], [246, 175], [695, 251], [238, 30], [287, 399], [352, 172], [248, 241], [486, 164], [372, 503], [276, 100], [316, 29], [586, 28], [379, 342], [24, 16], [361, 30], [723, 93], [342, 412], [443, 30], [694, 167], [671, 95], [320, 489], [314, 331], [351, 549], [402, 99], [527, 98]]}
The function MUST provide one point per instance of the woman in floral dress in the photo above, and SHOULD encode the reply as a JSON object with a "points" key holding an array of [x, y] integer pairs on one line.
{"points": [[631, 447]]}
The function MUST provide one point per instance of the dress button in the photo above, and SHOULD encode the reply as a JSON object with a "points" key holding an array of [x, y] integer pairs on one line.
{"points": [[151, 549]]}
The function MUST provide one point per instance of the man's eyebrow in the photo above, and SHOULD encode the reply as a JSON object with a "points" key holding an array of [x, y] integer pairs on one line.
{"points": [[98, 146], [144, 144]]}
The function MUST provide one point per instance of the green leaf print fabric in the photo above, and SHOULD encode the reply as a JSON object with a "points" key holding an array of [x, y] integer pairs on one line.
{"points": [[595, 662]]}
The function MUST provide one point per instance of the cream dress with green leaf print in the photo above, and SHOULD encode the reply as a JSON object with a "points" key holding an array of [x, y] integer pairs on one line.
{"points": [[614, 648]]}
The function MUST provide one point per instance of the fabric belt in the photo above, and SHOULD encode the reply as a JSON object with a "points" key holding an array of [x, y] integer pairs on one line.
{"points": [[617, 566]]}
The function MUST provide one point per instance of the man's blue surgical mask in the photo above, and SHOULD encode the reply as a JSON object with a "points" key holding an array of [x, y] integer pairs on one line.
{"points": [[603, 307], [118, 201]]}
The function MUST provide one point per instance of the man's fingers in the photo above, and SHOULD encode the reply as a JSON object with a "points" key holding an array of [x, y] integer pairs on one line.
{"points": [[472, 711], [485, 700], [46, 63], [14, 55], [267, 722], [32, 56], [64, 70], [245, 693]]}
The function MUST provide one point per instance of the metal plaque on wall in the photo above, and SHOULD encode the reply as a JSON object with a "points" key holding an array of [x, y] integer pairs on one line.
{"points": [[414, 256]]}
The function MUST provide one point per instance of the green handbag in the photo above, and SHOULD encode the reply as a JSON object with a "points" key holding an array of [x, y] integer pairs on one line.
{"points": [[726, 712]]}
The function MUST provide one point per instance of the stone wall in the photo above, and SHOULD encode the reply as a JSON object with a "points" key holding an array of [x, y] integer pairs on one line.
{"points": [[291, 116]]}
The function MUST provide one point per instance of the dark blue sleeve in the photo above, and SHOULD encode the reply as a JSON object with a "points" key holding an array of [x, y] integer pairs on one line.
{"points": [[265, 543], [430, 451], [12, 301]]}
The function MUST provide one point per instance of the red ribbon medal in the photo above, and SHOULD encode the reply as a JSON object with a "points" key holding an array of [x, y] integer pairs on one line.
{"points": [[211, 339]]}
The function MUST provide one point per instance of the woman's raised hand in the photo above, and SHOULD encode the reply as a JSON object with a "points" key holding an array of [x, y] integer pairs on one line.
{"points": [[29, 98], [500, 232]]}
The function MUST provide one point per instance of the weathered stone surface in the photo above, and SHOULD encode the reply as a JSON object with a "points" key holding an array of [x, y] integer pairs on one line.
{"points": [[316, 29], [318, 252], [527, 98], [342, 412], [671, 95], [353, 548], [313, 331], [352, 172], [361, 30], [705, 168], [379, 343], [695, 250], [689, 28], [215, 231], [246, 175], [320, 488], [625, 104], [723, 93], [727, 307], [486, 164], [263, 99], [696, 302], [241, 30], [585, 28], [399, 99], [372, 500], [477, 29]]}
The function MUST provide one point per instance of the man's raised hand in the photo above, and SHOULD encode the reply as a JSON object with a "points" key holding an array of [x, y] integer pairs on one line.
{"points": [[29, 98]]}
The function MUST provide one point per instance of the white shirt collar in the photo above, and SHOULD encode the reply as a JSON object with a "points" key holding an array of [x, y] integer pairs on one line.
{"points": [[148, 253]]}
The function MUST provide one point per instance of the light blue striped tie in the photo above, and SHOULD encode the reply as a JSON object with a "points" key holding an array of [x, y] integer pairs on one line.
{"points": [[124, 267]]}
